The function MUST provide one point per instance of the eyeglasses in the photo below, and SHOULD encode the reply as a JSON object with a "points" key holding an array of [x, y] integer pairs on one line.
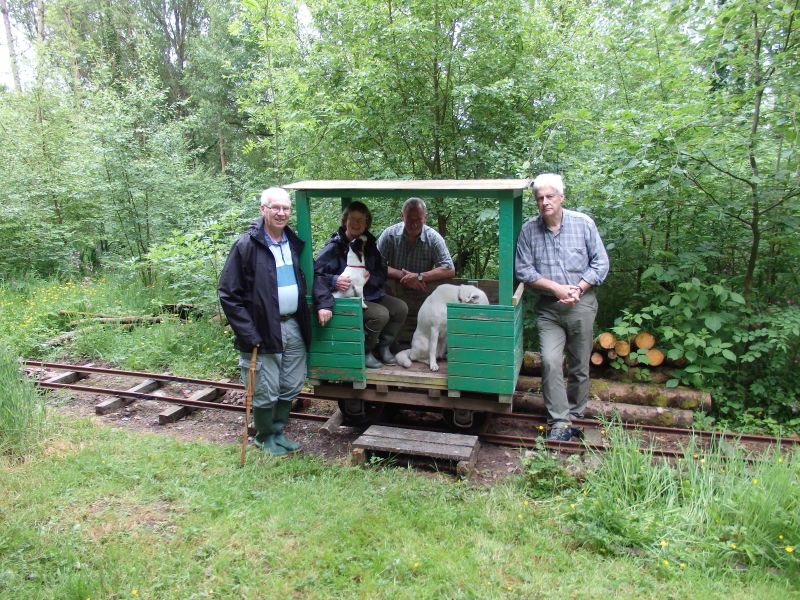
{"points": [[278, 209]]}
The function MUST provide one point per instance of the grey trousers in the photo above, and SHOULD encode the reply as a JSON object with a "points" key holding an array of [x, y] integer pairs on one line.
{"points": [[567, 329], [280, 376], [383, 318]]}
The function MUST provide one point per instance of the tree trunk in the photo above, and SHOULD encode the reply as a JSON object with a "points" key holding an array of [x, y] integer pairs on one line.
{"points": [[641, 394], [629, 413], [12, 55]]}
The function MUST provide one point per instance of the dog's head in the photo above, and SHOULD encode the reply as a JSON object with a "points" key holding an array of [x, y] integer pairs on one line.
{"points": [[357, 247], [469, 294]]}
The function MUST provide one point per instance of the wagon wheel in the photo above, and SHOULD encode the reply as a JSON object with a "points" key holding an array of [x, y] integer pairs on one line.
{"points": [[458, 421], [357, 412]]}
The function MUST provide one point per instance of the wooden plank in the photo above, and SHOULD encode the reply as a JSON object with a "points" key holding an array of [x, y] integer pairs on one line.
{"points": [[344, 361], [419, 435], [412, 448], [66, 377], [414, 398], [486, 386], [480, 312], [502, 372], [177, 412], [349, 331], [335, 374], [480, 357], [357, 188], [115, 402], [469, 327], [482, 342], [336, 346]]}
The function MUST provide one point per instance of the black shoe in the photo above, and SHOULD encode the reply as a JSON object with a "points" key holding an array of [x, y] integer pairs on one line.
{"points": [[560, 433], [577, 432]]}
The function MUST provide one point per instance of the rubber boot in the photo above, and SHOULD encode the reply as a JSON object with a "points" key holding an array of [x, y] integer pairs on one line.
{"points": [[370, 341], [282, 410], [265, 438], [385, 352], [388, 336]]}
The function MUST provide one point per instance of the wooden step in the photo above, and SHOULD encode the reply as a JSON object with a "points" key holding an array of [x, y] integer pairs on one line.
{"points": [[451, 448]]}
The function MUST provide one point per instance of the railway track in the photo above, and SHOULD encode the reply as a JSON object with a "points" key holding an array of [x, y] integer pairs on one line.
{"points": [[71, 374]]}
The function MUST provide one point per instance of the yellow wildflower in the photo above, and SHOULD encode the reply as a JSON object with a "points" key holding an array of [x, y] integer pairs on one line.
{"points": [[682, 565], [525, 503], [733, 546], [134, 592], [780, 537], [665, 562], [755, 481], [663, 543], [572, 506], [789, 549]]}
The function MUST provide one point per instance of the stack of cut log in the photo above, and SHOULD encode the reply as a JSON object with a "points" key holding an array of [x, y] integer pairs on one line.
{"points": [[608, 348], [632, 393]]}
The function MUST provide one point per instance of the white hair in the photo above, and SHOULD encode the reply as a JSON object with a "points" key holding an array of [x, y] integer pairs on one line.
{"points": [[550, 180], [274, 193]]}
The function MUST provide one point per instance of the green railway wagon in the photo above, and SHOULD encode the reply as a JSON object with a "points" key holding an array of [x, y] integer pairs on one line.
{"points": [[484, 343]]}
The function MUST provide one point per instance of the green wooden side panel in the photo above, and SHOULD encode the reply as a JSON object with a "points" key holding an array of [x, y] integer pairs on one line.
{"points": [[337, 350], [474, 356], [480, 327], [482, 346], [484, 386], [336, 347], [505, 372], [330, 333], [484, 342]]}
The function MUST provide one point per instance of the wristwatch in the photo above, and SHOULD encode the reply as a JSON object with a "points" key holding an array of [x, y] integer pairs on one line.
{"points": [[419, 276]]}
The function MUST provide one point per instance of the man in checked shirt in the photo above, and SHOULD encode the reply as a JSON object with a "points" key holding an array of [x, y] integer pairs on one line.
{"points": [[561, 257]]}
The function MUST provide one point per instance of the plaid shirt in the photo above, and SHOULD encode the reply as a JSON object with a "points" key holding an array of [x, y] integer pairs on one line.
{"points": [[429, 252], [576, 252]]}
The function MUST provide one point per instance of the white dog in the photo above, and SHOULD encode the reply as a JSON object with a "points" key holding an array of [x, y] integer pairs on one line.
{"points": [[430, 338], [355, 270]]}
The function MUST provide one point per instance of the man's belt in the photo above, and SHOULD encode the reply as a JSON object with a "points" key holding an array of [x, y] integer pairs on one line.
{"points": [[287, 317]]}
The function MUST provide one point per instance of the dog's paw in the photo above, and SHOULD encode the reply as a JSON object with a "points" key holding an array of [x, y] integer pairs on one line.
{"points": [[403, 359], [363, 305], [434, 367]]}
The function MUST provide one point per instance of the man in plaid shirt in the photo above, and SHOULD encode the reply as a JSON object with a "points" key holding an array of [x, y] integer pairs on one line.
{"points": [[415, 252], [560, 256]]}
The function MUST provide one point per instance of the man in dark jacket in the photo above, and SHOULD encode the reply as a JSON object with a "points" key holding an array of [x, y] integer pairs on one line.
{"points": [[263, 294]]}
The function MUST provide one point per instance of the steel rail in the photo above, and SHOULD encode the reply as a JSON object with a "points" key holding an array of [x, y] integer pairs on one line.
{"points": [[593, 423], [141, 374], [167, 399]]}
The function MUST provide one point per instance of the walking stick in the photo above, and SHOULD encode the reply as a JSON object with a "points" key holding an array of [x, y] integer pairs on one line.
{"points": [[251, 383]]}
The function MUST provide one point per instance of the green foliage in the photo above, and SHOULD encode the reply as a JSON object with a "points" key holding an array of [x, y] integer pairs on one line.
{"points": [[22, 411], [189, 264], [544, 473], [715, 509], [721, 344]]}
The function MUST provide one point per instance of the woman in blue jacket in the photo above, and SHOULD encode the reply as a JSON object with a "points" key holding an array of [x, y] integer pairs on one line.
{"points": [[385, 315]]}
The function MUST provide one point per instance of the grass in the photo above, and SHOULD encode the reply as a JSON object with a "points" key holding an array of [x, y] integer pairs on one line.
{"points": [[29, 316], [22, 411], [107, 514], [713, 509], [97, 513]]}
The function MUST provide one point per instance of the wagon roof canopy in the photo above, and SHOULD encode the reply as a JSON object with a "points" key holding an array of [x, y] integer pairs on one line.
{"points": [[462, 187]]}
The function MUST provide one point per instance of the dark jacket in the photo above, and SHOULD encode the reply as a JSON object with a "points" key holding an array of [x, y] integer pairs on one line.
{"points": [[332, 260], [252, 309]]}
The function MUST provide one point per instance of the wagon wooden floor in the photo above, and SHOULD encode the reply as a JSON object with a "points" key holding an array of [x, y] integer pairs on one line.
{"points": [[417, 375]]}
